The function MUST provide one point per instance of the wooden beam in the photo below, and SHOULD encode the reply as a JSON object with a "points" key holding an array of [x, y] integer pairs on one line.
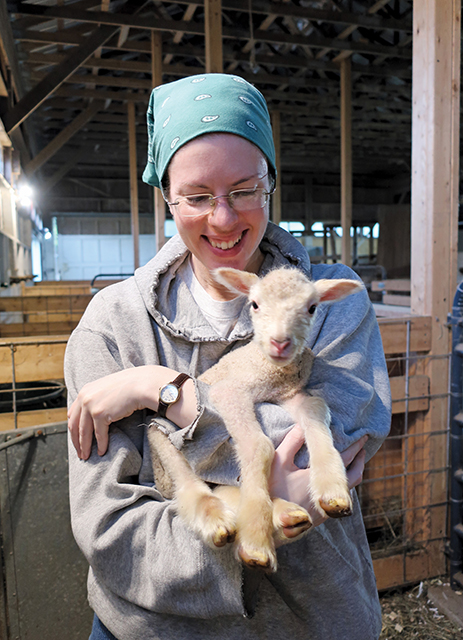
{"points": [[133, 184], [156, 59], [29, 103], [276, 198], [62, 171], [283, 10], [159, 204], [134, 46], [158, 24], [9, 49], [346, 161], [7, 46], [63, 137], [435, 188], [213, 35], [435, 159]]}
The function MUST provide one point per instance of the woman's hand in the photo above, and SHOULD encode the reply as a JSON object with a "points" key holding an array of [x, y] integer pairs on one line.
{"points": [[117, 396], [290, 482]]}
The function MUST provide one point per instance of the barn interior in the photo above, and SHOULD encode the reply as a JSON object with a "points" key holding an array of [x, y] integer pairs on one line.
{"points": [[364, 99]]}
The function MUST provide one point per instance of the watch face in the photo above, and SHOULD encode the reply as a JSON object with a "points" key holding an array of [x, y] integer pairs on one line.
{"points": [[169, 394]]}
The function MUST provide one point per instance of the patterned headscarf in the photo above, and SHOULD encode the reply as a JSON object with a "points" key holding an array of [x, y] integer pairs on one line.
{"points": [[210, 103]]}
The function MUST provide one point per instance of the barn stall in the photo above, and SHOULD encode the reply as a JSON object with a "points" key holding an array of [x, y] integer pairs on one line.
{"points": [[347, 83]]}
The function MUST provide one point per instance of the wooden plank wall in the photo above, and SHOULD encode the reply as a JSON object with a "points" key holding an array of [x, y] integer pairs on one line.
{"points": [[395, 497], [42, 314], [27, 361]]}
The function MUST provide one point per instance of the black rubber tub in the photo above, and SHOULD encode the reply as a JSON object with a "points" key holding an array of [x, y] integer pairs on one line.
{"points": [[30, 396]]}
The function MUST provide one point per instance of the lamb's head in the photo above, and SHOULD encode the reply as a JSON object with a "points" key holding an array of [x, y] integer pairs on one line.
{"points": [[283, 306]]}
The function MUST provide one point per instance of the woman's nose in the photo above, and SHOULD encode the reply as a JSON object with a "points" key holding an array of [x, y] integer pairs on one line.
{"points": [[223, 214]]}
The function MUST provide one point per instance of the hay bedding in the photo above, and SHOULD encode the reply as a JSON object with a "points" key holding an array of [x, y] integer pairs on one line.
{"points": [[410, 614]]}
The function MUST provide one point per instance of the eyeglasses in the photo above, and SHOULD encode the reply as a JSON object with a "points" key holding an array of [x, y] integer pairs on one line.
{"points": [[240, 200]]}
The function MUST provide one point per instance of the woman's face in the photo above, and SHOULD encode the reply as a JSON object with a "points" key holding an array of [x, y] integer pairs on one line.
{"points": [[217, 164]]}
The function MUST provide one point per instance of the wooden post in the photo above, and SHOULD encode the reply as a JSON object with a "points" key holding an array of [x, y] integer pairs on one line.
{"points": [[156, 58], [434, 231], [276, 198], [159, 204], [213, 34], [346, 160], [133, 184]]}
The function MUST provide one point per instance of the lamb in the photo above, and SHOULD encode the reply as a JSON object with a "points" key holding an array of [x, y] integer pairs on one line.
{"points": [[274, 367]]}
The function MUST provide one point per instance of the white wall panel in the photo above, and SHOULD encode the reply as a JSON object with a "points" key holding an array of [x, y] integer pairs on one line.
{"points": [[81, 257]]}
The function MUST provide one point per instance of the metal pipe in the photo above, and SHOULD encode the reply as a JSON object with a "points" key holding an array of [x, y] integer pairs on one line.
{"points": [[13, 382], [456, 440], [21, 438]]}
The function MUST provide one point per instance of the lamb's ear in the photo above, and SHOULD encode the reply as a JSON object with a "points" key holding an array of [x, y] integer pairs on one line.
{"points": [[235, 280], [332, 290]]}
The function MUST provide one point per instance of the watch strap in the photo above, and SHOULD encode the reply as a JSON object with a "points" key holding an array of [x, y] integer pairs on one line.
{"points": [[163, 406]]}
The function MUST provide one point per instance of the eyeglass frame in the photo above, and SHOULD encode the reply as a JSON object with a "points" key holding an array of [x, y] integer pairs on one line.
{"points": [[215, 198]]}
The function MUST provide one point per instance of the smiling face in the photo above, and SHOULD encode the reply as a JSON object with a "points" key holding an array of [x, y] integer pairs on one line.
{"points": [[218, 164]]}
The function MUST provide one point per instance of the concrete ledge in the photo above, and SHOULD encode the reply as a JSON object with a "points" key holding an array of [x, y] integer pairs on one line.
{"points": [[449, 603]]}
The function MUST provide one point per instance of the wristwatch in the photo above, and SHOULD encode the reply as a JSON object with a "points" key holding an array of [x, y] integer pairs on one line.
{"points": [[170, 393]]}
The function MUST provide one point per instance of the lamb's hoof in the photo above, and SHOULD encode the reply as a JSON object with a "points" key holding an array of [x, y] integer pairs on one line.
{"points": [[217, 521], [223, 536], [291, 523], [258, 559], [337, 507], [295, 523]]}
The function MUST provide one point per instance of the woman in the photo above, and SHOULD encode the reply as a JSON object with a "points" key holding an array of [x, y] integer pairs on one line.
{"points": [[211, 150]]}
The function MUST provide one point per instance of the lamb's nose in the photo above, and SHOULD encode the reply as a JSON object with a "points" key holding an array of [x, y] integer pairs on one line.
{"points": [[280, 345]]}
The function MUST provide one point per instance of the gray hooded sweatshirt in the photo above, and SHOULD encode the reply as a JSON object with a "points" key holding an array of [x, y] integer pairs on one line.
{"points": [[150, 577]]}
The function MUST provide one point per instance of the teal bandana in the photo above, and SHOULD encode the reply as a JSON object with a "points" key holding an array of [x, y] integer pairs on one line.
{"points": [[210, 103]]}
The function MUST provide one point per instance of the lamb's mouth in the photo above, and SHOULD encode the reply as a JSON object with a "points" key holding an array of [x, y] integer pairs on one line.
{"points": [[224, 245]]}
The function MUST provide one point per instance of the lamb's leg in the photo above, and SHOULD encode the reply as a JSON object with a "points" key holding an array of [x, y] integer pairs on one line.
{"points": [[286, 515], [328, 480], [254, 522], [204, 512]]}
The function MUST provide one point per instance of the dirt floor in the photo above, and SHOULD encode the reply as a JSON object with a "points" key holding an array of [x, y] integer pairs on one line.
{"points": [[409, 614]]}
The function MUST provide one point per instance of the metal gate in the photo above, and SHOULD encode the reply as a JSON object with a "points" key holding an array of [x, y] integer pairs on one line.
{"points": [[43, 587], [456, 450]]}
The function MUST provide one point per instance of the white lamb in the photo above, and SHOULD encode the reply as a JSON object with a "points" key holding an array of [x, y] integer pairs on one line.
{"points": [[274, 367]]}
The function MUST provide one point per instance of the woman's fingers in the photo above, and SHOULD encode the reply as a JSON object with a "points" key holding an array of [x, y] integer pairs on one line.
{"points": [[354, 461], [289, 446], [349, 454], [85, 434], [356, 469], [73, 426], [102, 435]]}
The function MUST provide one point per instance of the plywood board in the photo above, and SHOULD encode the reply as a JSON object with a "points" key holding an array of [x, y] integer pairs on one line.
{"points": [[394, 334], [32, 418], [37, 329], [400, 284], [403, 569], [29, 304], [418, 393], [400, 300], [40, 361]]}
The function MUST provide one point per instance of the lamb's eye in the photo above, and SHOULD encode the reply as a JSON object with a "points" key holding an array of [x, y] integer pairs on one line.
{"points": [[312, 309], [254, 304]]}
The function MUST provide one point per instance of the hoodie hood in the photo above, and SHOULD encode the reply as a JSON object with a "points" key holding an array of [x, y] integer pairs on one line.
{"points": [[161, 286]]}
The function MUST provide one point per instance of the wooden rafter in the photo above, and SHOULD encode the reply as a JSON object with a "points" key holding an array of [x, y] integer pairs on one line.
{"points": [[156, 24], [29, 103], [63, 137], [289, 51]]}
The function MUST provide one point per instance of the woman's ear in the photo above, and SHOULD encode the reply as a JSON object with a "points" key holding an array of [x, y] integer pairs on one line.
{"points": [[235, 280]]}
